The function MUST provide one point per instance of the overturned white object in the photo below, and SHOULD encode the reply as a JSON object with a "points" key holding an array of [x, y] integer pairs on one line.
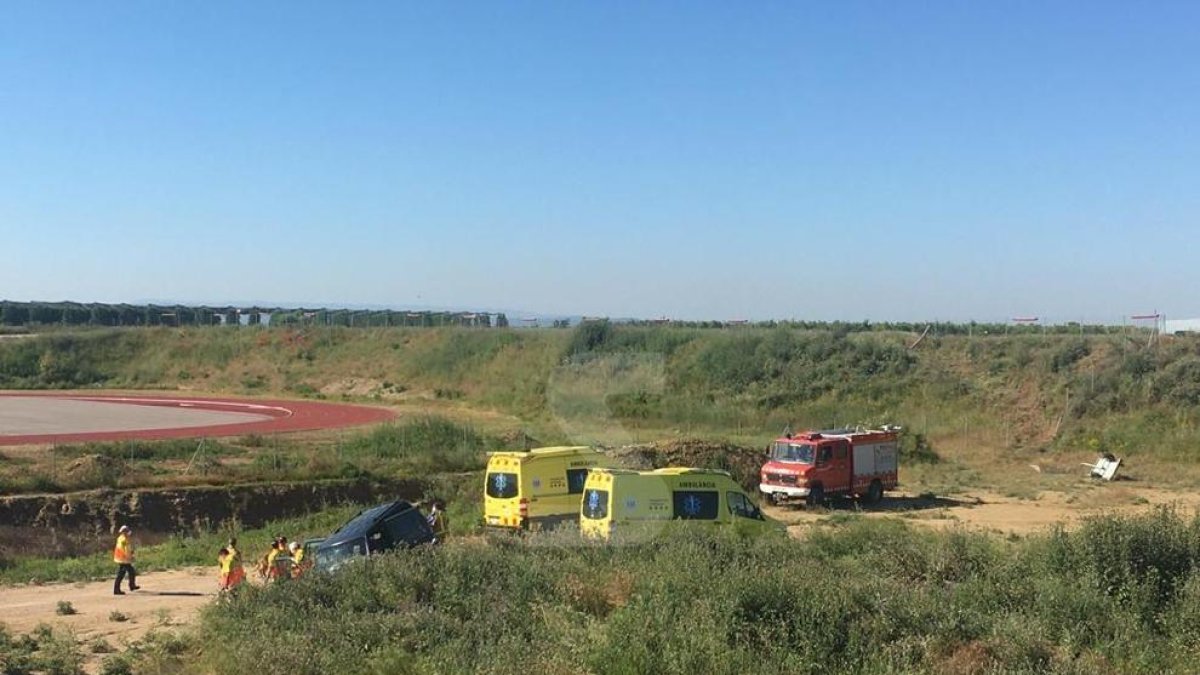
{"points": [[1105, 467]]}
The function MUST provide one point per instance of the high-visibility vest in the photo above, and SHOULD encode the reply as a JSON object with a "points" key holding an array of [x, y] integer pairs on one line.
{"points": [[279, 564], [123, 551]]}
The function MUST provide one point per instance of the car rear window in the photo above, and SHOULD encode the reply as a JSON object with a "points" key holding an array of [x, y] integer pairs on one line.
{"points": [[595, 504], [409, 527], [502, 485], [696, 505]]}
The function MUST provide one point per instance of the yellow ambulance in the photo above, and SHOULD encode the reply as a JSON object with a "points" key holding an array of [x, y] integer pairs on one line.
{"points": [[616, 498], [536, 489]]}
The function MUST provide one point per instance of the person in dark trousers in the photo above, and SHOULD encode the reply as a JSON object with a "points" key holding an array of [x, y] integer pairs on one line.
{"points": [[437, 519], [123, 555]]}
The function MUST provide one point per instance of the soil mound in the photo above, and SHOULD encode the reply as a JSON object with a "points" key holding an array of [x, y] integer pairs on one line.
{"points": [[94, 469], [741, 462], [519, 440]]}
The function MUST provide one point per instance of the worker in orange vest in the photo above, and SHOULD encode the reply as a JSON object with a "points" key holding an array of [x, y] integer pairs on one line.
{"points": [[123, 555], [237, 573], [279, 561], [223, 560]]}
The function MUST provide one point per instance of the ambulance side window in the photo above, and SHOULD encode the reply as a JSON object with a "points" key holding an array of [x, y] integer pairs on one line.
{"points": [[839, 453], [575, 480], [826, 454], [696, 504]]}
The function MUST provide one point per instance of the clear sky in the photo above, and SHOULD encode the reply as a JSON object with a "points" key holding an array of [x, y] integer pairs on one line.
{"points": [[879, 160]]}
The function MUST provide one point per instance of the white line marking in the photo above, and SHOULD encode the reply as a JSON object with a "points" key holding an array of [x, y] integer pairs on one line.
{"points": [[181, 402]]}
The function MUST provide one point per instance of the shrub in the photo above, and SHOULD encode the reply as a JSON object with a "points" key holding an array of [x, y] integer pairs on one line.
{"points": [[65, 608], [425, 446], [1069, 354], [916, 448], [1179, 383], [589, 336], [101, 646], [117, 664], [869, 596]]}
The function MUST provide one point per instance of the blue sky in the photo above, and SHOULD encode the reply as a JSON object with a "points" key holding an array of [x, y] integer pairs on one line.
{"points": [[825, 160]]}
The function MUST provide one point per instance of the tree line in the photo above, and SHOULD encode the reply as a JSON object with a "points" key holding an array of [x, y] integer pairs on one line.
{"points": [[936, 328], [102, 314]]}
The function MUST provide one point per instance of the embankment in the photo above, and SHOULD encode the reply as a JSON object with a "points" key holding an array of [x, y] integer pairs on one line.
{"points": [[71, 523]]}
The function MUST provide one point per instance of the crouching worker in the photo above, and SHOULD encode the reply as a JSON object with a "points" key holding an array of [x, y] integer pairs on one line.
{"points": [[279, 563], [298, 564]]}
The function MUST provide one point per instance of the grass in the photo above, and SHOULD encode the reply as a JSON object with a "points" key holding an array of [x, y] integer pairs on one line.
{"points": [[101, 646], [859, 595], [423, 446], [979, 394], [415, 447], [862, 595], [178, 551], [45, 650], [198, 547]]}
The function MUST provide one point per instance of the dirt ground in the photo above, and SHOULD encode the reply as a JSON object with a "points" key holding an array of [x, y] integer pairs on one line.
{"points": [[165, 599], [994, 512]]}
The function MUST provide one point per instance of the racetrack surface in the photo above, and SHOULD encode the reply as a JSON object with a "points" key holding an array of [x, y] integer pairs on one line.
{"points": [[27, 418]]}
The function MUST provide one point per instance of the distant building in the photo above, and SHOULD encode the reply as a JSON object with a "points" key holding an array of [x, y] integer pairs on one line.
{"points": [[1172, 326]]}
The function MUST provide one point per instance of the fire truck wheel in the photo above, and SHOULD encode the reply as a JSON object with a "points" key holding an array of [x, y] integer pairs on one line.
{"points": [[875, 492], [816, 496]]}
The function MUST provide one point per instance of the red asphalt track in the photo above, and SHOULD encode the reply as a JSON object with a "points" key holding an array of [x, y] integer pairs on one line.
{"points": [[285, 416]]}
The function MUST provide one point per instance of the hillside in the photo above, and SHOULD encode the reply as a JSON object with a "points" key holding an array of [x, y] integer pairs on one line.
{"points": [[601, 383], [997, 427]]}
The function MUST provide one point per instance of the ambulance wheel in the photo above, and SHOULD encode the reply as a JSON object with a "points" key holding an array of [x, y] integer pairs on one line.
{"points": [[816, 496], [875, 492]]}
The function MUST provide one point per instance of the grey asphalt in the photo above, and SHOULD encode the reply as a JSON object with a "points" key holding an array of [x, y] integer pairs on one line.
{"points": [[25, 415]]}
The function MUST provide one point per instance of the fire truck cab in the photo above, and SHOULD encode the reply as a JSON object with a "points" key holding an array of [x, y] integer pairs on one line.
{"points": [[816, 464]]}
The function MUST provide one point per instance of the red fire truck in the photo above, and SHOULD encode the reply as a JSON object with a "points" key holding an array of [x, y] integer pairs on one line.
{"points": [[816, 464]]}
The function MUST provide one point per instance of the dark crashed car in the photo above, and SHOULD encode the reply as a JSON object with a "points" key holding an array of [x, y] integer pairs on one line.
{"points": [[376, 530]]}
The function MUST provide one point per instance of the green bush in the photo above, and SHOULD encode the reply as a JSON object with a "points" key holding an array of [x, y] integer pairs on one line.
{"points": [[1069, 354], [1179, 383], [916, 448], [425, 446], [867, 596], [45, 650]]}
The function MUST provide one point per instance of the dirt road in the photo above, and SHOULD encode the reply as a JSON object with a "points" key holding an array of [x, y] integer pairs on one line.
{"points": [[165, 599], [990, 511]]}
